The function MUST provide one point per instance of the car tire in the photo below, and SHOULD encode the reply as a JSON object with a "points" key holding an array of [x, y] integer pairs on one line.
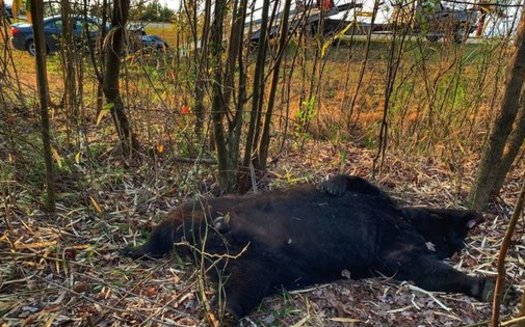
{"points": [[162, 47], [31, 48], [460, 37], [432, 38]]}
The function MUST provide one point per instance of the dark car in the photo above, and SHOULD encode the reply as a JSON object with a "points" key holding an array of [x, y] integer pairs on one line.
{"points": [[22, 33], [153, 41], [436, 21], [139, 40], [460, 23]]}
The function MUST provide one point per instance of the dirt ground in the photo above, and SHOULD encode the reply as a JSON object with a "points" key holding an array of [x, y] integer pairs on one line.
{"points": [[67, 271]]}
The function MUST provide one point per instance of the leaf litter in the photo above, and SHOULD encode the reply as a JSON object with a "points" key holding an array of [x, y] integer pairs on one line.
{"points": [[67, 271]]}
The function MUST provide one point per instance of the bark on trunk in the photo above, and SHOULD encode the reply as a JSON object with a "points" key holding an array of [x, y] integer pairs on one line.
{"points": [[490, 169], [264, 144], [512, 148], [110, 85], [258, 93], [226, 169], [69, 67], [37, 14]]}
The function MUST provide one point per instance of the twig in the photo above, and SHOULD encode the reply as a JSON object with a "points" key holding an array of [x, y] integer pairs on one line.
{"points": [[415, 288], [501, 258], [87, 298], [512, 321]]}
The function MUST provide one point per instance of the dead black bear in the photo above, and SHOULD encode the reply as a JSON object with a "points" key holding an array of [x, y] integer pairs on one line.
{"points": [[307, 235]]}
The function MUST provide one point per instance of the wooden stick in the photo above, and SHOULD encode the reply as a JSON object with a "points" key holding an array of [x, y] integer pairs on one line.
{"points": [[501, 258]]}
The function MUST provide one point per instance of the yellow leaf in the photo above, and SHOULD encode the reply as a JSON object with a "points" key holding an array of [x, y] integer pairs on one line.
{"points": [[77, 157], [335, 37], [160, 148], [57, 157], [95, 205], [103, 112], [101, 116], [51, 318]]}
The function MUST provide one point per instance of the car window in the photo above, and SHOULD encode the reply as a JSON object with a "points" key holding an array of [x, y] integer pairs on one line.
{"points": [[80, 26], [55, 24]]}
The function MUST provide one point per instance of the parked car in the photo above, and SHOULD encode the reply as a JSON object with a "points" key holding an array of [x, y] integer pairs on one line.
{"points": [[22, 33], [460, 23], [437, 21], [154, 42], [138, 39]]}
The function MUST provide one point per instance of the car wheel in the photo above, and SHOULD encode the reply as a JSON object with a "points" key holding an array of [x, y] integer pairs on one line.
{"points": [[432, 38], [161, 47], [460, 37], [31, 47]]}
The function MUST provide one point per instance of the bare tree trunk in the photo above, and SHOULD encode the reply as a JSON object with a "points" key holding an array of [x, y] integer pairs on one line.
{"points": [[258, 93], [236, 54], [490, 168], [512, 147], [110, 85], [283, 43], [238, 18], [200, 58], [501, 258], [226, 169], [37, 13], [69, 67]]}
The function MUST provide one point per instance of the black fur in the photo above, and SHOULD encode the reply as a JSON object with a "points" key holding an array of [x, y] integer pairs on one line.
{"points": [[446, 229], [303, 236]]}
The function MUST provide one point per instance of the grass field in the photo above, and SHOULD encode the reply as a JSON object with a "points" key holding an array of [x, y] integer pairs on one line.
{"points": [[452, 86]]}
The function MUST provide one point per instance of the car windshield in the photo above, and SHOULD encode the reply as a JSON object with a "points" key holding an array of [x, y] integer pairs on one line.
{"points": [[53, 23], [78, 24]]}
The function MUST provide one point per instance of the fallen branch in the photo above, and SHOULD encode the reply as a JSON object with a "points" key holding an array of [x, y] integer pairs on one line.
{"points": [[415, 288], [500, 280]]}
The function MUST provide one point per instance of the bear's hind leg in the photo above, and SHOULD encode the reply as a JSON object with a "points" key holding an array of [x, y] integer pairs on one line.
{"points": [[433, 275]]}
